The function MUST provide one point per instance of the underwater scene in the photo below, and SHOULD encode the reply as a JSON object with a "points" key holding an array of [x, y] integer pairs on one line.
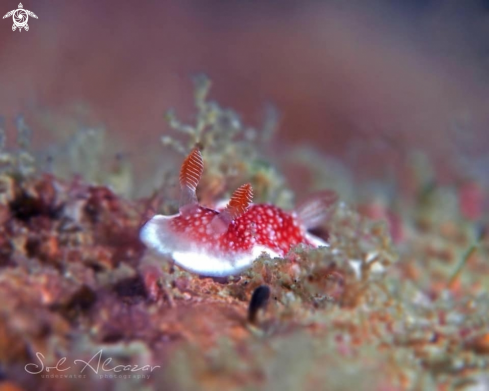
{"points": [[236, 195]]}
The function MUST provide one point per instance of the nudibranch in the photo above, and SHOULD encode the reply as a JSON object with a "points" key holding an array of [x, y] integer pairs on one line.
{"points": [[224, 241]]}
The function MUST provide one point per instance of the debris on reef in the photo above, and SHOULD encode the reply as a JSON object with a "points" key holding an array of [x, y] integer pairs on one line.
{"points": [[366, 313], [259, 300]]}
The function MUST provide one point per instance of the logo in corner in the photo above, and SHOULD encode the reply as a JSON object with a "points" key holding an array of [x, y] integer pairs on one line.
{"points": [[20, 16]]}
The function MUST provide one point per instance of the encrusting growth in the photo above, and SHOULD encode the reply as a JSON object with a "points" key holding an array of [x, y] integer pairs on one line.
{"points": [[224, 242]]}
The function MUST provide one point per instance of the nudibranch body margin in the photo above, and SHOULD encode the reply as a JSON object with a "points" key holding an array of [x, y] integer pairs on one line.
{"points": [[219, 243]]}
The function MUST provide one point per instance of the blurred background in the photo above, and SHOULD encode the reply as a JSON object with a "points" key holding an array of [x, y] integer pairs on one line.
{"points": [[364, 82]]}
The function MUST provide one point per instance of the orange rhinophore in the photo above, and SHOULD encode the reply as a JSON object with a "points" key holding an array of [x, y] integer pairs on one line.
{"points": [[190, 174], [240, 201]]}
